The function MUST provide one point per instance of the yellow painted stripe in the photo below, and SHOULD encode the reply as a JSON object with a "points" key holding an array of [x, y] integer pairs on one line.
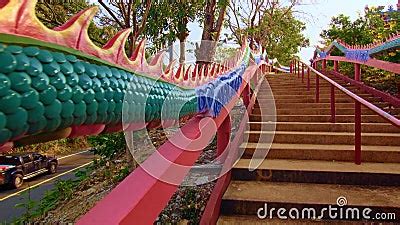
{"points": [[45, 181], [78, 153]]}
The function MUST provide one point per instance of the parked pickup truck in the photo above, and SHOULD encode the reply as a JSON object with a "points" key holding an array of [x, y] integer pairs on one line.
{"points": [[16, 168]]}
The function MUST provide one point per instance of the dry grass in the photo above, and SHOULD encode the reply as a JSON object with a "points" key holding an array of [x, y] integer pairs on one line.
{"points": [[57, 148]]}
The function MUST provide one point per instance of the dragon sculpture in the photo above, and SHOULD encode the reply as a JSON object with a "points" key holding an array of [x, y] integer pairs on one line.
{"points": [[360, 53], [55, 83]]}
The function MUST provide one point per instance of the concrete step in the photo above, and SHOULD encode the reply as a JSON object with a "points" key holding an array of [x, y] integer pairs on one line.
{"points": [[314, 111], [291, 85], [319, 171], [308, 95], [303, 91], [282, 90], [319, 105], [309, 99], [303, 87], [246, 198], [345, 153], [339, 138], [308, 161], [316, 118], [326, 127], [299, 84]]}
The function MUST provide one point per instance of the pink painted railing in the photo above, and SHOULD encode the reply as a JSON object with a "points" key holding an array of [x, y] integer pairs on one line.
{"points": [[141, 197], [298, 67], [212, 210]]}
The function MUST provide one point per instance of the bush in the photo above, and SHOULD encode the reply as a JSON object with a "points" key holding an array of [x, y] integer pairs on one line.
{"points": [[108, 145]]}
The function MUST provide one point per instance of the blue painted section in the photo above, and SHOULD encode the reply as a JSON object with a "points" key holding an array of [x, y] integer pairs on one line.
{"points": [[358, 54], [212, 97]]}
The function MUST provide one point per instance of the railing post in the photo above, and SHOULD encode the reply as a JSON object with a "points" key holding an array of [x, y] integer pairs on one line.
{"points": [[291, 66], [308, 79], [357, 72], [316, 88], [357, 134], [336, 66], [246, 95], [333, 106], [302, 73], [255, 77], [298, 69], [223, 135], [324, 65]]}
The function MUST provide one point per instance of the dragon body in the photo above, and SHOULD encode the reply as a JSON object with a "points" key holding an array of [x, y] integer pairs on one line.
{"points": [[55, 83]]}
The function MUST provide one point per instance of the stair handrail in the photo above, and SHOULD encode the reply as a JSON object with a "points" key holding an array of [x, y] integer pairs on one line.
{"points": [[298, 67], [139, 206], [390, 118]]}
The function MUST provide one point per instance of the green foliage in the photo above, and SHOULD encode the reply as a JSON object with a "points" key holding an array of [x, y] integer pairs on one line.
{"points": [[366, 29], [272, 26], [62, 191], [168, 21], [28, 206], [282, 35], [223, 53], [56, 13], [124, 172], [108, 145]]}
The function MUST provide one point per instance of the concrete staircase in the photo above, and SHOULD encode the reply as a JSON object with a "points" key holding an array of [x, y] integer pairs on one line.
{"points": [[310, 161]]}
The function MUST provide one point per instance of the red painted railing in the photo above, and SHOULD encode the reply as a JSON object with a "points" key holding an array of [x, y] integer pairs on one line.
{"points": [[358, 101], [211, 212], [140, 197]]}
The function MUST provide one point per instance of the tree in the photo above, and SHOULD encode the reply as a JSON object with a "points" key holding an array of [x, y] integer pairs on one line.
{"points": [[266, 23], [168, 21], [366, 29], [186, 12], [224, 53], [374, 26], [278, 42], [130, 14], [56, 13], [245, 14], [213, 19]]}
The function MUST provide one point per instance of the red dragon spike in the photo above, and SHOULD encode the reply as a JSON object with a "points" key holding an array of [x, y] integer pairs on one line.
{"points": [[169, 71], [195, 72], [116, 44], [179, 72], [188, 71]]}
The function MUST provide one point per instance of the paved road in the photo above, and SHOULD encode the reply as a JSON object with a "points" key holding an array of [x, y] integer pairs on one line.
{"points": [[39, 185]]}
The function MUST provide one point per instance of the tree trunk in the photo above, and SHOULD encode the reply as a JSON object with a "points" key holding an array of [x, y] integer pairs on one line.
{"points": [[171, 52], [182, 45], [211, 32], [182, 51]]}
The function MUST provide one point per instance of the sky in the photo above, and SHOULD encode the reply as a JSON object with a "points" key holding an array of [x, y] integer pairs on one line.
{"points": [[318, 14], [324, 10]]}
